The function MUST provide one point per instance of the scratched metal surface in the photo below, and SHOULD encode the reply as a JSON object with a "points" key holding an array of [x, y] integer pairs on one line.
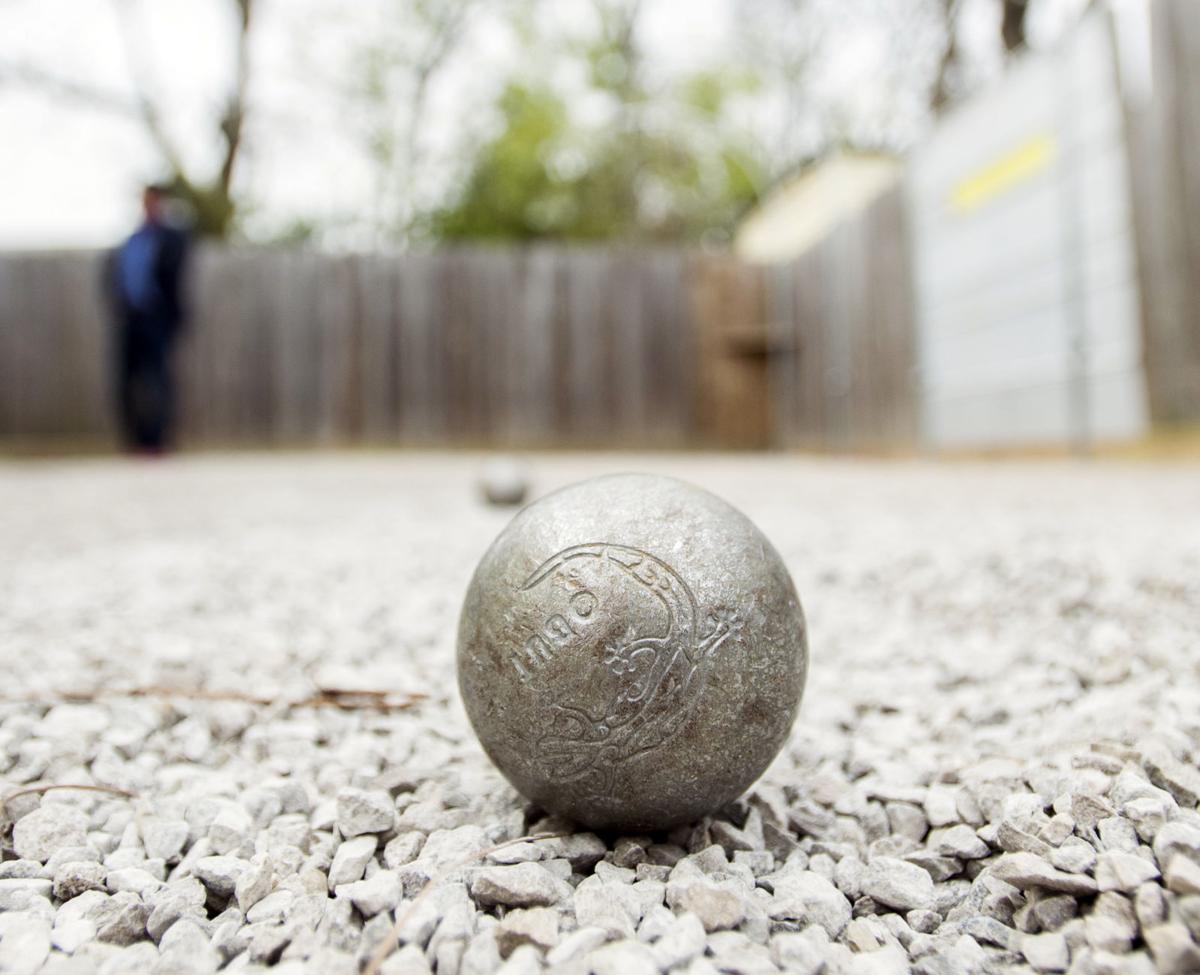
{"points": [[632, 652]]}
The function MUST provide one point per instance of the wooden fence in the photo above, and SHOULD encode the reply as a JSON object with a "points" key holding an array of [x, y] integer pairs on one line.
{"points": [[511, 347], [503, 347], [842, 337], [497, 346], [1163, 125]]}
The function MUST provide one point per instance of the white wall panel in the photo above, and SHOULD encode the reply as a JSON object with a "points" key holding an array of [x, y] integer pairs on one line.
{"points": [[1025, 272]]}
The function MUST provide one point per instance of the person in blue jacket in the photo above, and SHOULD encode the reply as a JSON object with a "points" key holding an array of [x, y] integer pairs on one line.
{"points": [[144, 282]]}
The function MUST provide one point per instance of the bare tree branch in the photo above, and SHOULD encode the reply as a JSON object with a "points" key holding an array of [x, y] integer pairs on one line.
{"points": [[441, 43], [782, 40], [210, 194], [234, 119], [1012, 26], [943, 89], [32, 76], [140, 75], [396, 136]]}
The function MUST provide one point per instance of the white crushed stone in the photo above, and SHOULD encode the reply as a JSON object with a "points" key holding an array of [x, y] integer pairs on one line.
{"points": [[994, 769], [49, 828]]}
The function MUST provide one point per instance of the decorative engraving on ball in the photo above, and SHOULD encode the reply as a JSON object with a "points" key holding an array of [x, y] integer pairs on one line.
{"points": [[640, 680], [659, 677]]}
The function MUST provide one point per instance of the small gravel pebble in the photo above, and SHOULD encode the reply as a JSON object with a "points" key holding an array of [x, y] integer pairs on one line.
{"points": [[519, 885], [1046, 952], [804, 896], [1123, 871], [351, 859], [220, 874], [897, 884], [50, 827], [16, 894], [361, 811]]}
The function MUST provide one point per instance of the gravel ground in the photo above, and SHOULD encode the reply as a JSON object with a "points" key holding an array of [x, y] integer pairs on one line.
{"points": [[994, 768]]}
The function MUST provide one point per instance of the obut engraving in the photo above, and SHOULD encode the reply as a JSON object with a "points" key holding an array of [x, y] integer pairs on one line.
{"points": [[660, 676], [557, 631]]}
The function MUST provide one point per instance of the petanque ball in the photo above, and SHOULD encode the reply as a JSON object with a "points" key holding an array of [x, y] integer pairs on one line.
{"points": [[631, 652], [504, 482]]}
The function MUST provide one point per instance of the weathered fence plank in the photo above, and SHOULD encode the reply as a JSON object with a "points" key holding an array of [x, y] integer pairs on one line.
{"points": [[842, 337]]}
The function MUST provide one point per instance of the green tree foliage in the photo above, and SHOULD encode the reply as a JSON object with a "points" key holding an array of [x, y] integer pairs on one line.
{"points": [[660, 163], [515, 191]]}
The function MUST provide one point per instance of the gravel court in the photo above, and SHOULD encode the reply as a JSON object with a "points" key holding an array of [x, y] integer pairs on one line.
{"points": [[1000, 723]]}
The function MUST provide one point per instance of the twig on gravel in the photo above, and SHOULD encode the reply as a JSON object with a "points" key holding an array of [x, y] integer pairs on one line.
{"points": [[34, 790], [350, 699], [328, 697], [393, 937]]}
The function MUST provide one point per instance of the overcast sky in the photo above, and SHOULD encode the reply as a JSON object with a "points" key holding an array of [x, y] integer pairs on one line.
{"points": [[69, 173]]}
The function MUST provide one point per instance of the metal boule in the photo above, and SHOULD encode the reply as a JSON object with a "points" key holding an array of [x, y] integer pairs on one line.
{"points": [[631, 652], [504, 481]]}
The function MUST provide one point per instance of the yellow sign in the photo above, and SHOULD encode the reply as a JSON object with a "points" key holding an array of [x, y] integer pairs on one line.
{"points": [[998, 177]]}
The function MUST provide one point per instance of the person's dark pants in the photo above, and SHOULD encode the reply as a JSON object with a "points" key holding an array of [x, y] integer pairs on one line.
{"points": [[145, 389]]}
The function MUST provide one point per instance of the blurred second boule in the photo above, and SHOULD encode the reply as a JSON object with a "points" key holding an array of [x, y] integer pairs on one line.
{"points": [[504, 481]]}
